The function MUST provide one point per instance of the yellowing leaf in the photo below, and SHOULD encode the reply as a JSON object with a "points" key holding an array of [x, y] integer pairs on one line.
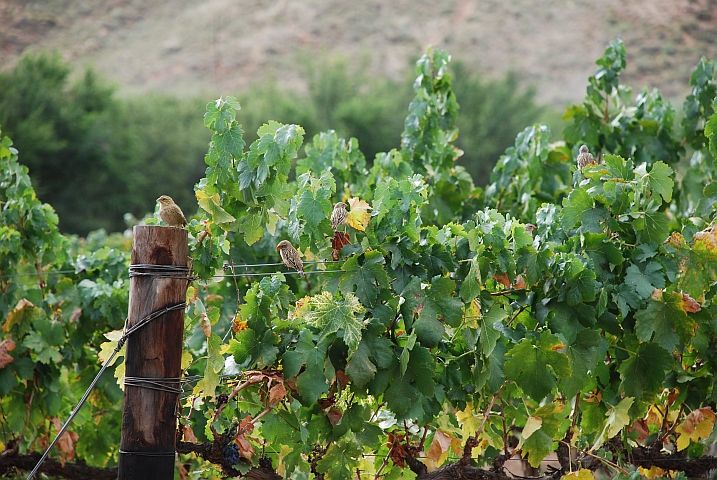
{"points": [[617, 418], [653, 472], [212, 205], [359, 216], [698, 425], [533, 424], [582, 474], [17, 313], [187, 359], [281, 468], [106, 348], [468, 420]]}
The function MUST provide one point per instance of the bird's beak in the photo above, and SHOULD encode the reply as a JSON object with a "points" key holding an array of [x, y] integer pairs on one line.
{"points": [[278, 247]]}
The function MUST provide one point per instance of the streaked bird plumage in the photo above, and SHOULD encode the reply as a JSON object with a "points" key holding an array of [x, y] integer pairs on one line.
{"points": [[290, 256], [585, 157], [170, 213], [338, 216]]}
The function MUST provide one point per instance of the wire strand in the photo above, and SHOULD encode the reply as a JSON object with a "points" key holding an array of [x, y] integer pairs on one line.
{"points": [[108, 362]]}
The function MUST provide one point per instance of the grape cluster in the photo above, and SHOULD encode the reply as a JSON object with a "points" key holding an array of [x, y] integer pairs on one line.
{"points": [[231, 453], [232, 430]]}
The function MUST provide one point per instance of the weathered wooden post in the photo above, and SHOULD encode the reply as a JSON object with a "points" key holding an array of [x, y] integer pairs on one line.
{"points": [[154, 352]]}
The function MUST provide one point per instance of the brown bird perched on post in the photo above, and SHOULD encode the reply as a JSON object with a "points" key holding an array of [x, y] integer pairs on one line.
{"points": [[290, 256], [338, 216], [170, 213], [585, 157]]}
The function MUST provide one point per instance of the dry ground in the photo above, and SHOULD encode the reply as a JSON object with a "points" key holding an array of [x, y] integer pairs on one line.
{"points": [[214, 47]]}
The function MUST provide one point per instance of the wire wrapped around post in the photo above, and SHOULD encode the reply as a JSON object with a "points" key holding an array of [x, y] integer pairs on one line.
{"points": [[158, 278]]}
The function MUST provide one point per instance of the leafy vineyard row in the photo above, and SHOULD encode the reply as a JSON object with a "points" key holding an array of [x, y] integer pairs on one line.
{"points": [[556, 310]]}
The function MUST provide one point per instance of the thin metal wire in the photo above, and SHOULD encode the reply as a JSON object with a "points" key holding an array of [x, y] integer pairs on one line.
{"points": [[160, 384], [254, 265], [185, 270], [149, 454], [162, 271], [265, 274], [120, 344], [34, 274], [74, 412]]}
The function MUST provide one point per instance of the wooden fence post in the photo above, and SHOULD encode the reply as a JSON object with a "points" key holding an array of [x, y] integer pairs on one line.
{"points": [[153, 352]]}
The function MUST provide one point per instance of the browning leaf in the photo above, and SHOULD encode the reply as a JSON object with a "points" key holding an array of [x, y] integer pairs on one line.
{"points": [[334, 415], [5, 358], [276, 394]]}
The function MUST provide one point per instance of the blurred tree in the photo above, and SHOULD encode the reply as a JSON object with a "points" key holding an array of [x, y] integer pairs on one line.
{"points": [[95, 157], [373, 110], [92, 156], [492, 114]]}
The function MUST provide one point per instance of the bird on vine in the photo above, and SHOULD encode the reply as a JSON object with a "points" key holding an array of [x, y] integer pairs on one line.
{"points": [[338, 216], [290, 256], [585, 157], [170, 213]]}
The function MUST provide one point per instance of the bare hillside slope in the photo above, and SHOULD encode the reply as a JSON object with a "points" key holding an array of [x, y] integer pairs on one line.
{"points": [[219, 46]]}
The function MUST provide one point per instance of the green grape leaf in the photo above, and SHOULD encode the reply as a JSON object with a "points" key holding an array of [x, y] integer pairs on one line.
{"points": [[585, 352], [331, 314], [254, 348], [215, 363], [365, 275], [360, 368], [294, 359], [341, 460], [646, 281], [212, 205], [528, 364], [579, 207], [537, 447], [666, 319], [314, 206], [660, 181], [643, 372], [470, 288], [400, 394], [653, 227], [313, 382], [488, 334], [422, 367]]}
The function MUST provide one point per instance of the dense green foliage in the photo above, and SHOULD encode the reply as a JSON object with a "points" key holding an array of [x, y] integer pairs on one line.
{"points": [[92, 156], [95, 157], [373, 111], [445, 318]]}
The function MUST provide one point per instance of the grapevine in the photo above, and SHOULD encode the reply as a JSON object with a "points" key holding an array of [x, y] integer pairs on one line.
{"points": [[558, 313]]}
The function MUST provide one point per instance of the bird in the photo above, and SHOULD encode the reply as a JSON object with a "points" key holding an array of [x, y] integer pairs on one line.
{"points": [[170, 212], [585, 157], [338, 216], [290, 256]]}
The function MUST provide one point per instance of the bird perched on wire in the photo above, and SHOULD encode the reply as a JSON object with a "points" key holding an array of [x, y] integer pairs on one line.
{"points": [[338, 216], [290, 256], [170, 212], [585, 157]]}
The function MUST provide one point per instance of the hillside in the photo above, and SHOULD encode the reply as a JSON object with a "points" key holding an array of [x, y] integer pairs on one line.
{"points": [[214, 47]]}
